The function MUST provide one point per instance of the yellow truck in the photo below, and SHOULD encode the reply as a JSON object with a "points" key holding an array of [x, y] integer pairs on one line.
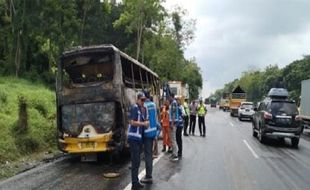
{"points": [[224, 102], [237, 96]]}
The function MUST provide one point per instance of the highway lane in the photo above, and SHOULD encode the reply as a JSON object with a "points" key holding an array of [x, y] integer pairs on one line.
{"points": [[230, 158], [227, 158]]}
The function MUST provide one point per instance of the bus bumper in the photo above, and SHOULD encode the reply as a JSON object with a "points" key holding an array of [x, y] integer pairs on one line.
{"points": [[100, 143]]}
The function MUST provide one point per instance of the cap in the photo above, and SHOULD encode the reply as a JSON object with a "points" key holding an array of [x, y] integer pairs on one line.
{"points": [[141, 95], [146, 93]]}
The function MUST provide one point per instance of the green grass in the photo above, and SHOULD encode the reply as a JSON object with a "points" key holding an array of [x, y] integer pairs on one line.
{"points": [[41, 132]]}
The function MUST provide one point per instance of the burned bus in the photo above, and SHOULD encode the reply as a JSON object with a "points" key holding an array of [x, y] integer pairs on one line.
{"points": [[95, 88]]}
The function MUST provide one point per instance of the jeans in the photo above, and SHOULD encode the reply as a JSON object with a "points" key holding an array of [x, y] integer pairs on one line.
{"points": [[179, 140], [148, 152], [173, 139], [201, 121], [135, 150], [192, 124]]}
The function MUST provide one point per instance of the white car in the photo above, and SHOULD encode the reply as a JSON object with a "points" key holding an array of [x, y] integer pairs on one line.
{"points": [[246, 110]]}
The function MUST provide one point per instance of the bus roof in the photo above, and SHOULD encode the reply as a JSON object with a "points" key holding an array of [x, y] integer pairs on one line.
{"points": [[105, 48], [124, 55]]}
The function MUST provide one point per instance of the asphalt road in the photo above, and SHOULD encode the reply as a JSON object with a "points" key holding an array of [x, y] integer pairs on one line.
{"points": [[227, 158]]}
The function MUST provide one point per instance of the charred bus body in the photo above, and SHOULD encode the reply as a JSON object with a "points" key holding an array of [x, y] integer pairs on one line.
{"points": [[95, 88]]}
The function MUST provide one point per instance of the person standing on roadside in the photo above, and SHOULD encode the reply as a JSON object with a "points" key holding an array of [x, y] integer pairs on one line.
{"points": [[192, 122], [202, 111], [138, 122], [186, 116], [174, 118], [165, 127], [179, 128], [149, 137]]}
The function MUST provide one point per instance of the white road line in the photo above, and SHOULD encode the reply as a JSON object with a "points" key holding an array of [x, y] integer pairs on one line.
{"points": [[231, 124], [142, 173], [251, 149]]}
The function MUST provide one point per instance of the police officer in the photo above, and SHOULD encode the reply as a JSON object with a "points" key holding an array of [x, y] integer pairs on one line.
{"points": [[186, 116], [192, 121], [202, 111], [179, 128], [138, 122]]}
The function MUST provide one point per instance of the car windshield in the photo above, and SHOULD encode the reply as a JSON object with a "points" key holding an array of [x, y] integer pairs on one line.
{"points": [[279, 108]]}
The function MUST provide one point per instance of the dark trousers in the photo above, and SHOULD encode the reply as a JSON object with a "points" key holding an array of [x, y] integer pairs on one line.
{"points": [[148, 152], [135, 150], [179, 140], [185, 124], [201, 121], [192, 124]]}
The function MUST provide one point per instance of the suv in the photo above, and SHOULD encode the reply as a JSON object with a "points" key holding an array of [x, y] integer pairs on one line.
{"points": [[246, 110], [276, 116]]}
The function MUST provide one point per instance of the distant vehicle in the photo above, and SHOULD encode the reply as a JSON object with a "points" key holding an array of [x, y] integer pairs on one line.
{"points": [[236, 98], [305, 103], [95, 89], [246, 110], [224, 102], [179, 89], [276, 116], [213, 102]]}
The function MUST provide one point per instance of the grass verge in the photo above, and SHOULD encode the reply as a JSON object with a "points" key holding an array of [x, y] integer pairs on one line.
{"points": [[27, 123]]}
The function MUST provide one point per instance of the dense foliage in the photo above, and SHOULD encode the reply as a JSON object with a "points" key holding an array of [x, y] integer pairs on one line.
{"points": [[34, 33], [257, 83]]}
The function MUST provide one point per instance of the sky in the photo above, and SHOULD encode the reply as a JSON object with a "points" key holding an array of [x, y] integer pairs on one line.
{"points": [[233, 36]]}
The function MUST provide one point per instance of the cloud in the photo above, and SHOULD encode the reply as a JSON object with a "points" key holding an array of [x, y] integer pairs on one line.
{"points": [[233, 36]]}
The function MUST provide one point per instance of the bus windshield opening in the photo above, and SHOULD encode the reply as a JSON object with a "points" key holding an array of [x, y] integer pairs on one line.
{"points": [[86, 69]]}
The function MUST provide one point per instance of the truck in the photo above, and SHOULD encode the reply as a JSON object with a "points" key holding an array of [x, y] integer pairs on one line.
{"points": [[179, 89], [305, 103], [224, 102], [213, 101], [237, 96]]}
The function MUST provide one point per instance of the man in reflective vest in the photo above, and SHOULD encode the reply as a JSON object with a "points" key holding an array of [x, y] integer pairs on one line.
{"points": [[148, 138], [138, 122], [202, 111]]}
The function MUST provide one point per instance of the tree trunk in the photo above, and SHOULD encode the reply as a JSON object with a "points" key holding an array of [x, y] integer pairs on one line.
{"points": [[138, 46], [17, 55], [22, 115], [139, 37], [83, 23]]}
